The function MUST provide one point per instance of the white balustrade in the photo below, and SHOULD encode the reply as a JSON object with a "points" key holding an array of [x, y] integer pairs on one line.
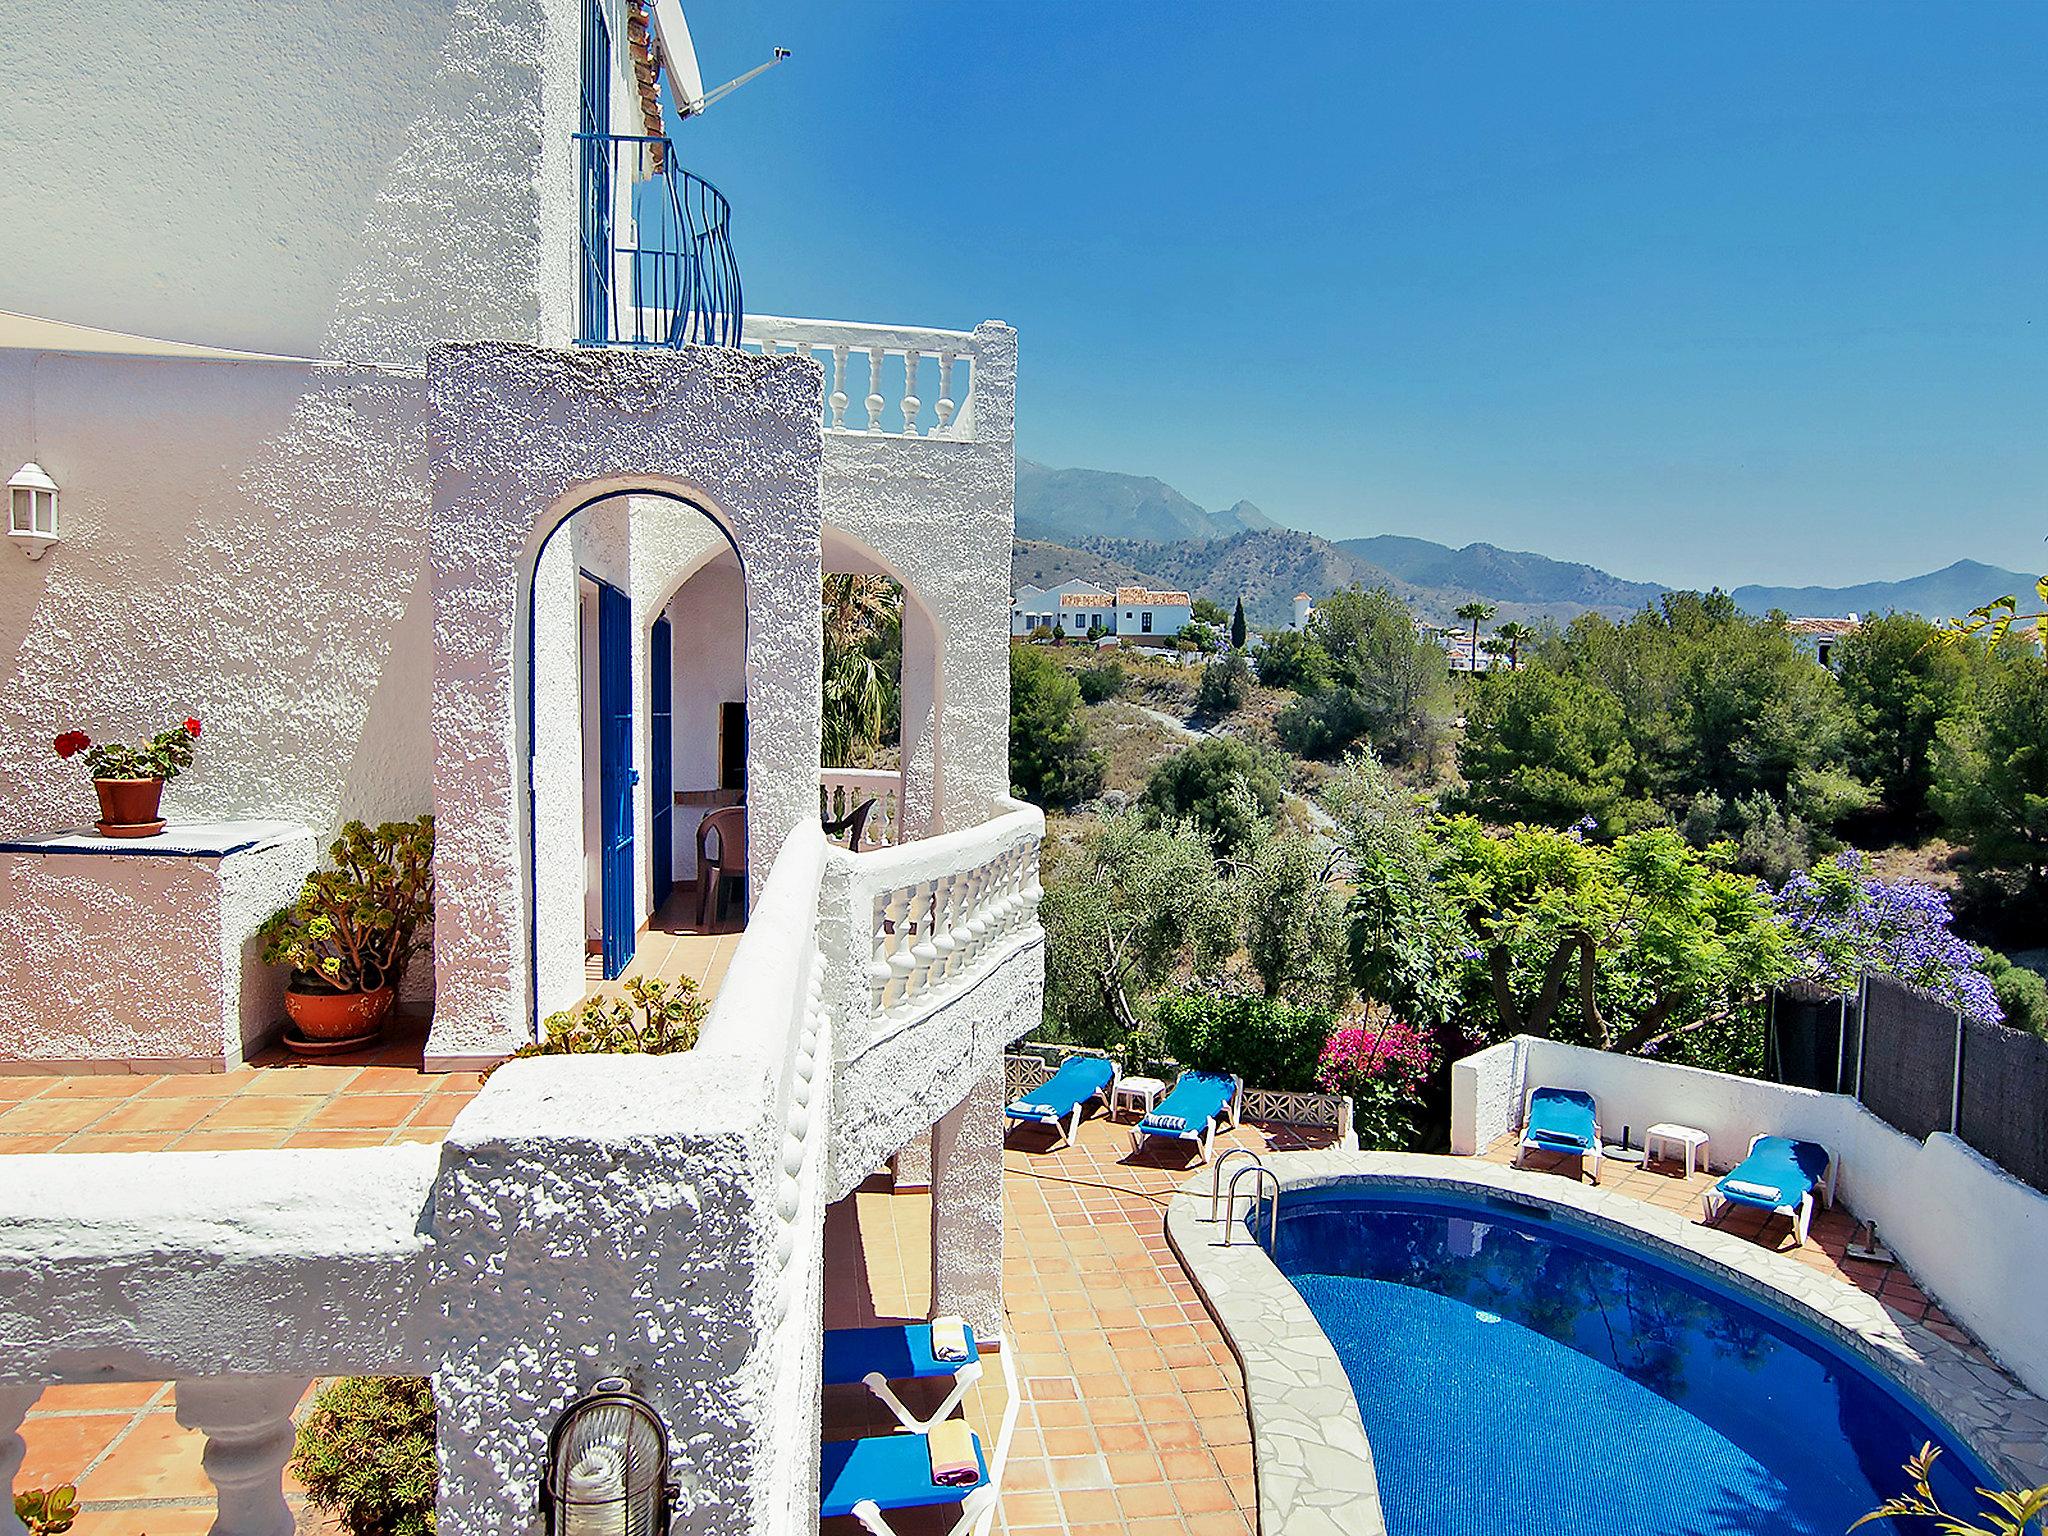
{"points": [[841, 791], [931, 934], [898, 359]]}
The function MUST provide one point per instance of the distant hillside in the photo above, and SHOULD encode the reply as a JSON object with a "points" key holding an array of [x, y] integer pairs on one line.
{"points": [[1066, 505], [1502, 575], [1104, 526], [1948, 593], [1268, 567]]}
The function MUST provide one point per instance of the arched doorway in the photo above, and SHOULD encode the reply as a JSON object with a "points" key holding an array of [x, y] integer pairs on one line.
{"points": [[637, 693]]}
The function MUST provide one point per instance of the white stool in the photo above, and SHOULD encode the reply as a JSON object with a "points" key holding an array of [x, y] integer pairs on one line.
{"points": [[1694, 1141], [1133, 1091]]}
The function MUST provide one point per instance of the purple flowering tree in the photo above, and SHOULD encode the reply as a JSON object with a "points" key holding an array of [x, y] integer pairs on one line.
{"points": [[1843, 922]]}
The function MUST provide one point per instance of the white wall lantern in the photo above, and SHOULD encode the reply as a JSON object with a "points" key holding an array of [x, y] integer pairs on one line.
{"points": [[32, 511], [608, 1467]]}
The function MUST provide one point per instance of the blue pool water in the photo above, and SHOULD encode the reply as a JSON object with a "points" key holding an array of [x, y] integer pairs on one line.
{"points": [[1522, 1374]]}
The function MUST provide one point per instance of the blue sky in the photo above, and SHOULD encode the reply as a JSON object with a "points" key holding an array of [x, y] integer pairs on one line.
{"points": [[1708, 293]]}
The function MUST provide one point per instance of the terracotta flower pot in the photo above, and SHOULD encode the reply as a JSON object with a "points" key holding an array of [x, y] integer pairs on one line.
{"points": [[128, 807], [338, 1015]]}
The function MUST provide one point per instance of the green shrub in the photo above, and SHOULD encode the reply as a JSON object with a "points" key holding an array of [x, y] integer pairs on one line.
{"points": [[1323, 725], [2022, 994], [1226, 682], [1201, 785], [1103, 681], [1289, 659], [654, 1018], [366, 1455], [1267, 1042]]}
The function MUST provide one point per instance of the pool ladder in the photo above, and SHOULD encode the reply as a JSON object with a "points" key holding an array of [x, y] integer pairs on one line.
{"points": [[1255, 1170]]}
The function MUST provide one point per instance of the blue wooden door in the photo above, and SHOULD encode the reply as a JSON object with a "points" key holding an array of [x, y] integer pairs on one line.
{"points": [[615, 774], [660, 765]]}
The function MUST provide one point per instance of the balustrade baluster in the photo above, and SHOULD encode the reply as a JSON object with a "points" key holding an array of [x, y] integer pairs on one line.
{"points": [[875, 401], [901, 961], [925, 953], [911, 404], [838, 396], [966, 942], [247, 1421], [943, 903], [15, 1403], [944, 405], [880, 972]]}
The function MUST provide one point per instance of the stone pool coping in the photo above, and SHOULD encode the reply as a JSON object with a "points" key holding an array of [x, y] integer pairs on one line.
{"points": [[1311, 1461]]}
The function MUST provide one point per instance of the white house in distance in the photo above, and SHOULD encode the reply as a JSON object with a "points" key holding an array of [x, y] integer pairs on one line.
{"points": [[405, 425], [1138, 614], [1818, 637]]}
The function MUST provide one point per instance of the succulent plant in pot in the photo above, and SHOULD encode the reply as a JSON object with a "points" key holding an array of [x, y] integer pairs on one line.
{"points": [[130, 780], [353, 929]]}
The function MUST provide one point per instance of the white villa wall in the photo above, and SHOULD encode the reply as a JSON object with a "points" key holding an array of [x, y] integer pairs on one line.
{"points": [[243, 541], [1972, 1235], [939, 514], [280, 178], [521, 436]]}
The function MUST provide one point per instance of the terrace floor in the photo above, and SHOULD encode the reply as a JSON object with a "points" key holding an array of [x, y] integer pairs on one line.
{"points": [[671, 945]]}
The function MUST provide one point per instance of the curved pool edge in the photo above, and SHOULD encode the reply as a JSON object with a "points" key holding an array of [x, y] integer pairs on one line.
{"points": [[1311, 1460]]}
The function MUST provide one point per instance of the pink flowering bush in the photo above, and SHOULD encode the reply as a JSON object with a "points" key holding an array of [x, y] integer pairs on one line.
{"points": [[1382, 1064]]}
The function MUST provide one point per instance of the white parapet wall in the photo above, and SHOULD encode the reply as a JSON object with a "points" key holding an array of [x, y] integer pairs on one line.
{"points": [[1974, 1237]]}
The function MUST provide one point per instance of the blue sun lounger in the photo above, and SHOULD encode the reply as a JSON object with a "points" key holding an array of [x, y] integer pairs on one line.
{"points": [[1563, 1120], [1779, 1175], [1062, 1098], [1191, 1110], [874, 1357], [866, 1478]]}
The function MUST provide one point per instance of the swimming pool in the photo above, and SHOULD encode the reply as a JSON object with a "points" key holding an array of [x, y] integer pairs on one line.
{"points": [[1518, 1371]]}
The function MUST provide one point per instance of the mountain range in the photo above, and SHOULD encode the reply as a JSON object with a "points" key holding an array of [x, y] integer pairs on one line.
{"points": [[1100, 525]]}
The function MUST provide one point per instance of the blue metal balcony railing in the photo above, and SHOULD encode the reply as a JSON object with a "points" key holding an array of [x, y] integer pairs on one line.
{"points": [[658, 268]]}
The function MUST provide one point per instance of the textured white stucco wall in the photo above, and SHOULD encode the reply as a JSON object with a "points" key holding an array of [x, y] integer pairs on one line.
{"points": [[520, 436], [290, 178], [1972, 1235], [136, 1266], [141, 960], [243, 542]]}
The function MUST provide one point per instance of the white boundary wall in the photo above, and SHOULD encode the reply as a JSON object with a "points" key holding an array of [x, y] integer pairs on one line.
{"points": [[1973, 1236]]}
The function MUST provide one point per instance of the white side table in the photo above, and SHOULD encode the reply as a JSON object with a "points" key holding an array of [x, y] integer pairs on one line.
{"points": [[1131, 1092], [1694, 1141]]}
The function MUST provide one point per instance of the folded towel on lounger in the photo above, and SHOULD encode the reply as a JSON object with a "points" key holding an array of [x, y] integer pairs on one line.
{"points": [[951, 1445], [1557, 1138], [1166, 1122], [949, 1339], [1754, 1191], [1038, 1109]]}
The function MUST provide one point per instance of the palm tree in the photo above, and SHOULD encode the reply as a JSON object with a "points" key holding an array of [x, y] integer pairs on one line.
{"points": [[1514, 634], [857, 611], [1478, 613]]}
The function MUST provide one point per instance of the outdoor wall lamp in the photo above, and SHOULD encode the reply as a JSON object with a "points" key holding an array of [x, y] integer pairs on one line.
{"points": [[32, 510], [608, 1469]]}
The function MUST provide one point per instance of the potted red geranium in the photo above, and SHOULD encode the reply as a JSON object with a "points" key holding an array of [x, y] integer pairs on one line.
{"points": [[130, 780]]}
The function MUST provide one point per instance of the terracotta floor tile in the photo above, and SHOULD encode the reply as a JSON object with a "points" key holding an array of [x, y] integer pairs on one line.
{"points": [[260, 1112], [157, 1459], [353, 1112], [152, 1520], [61, 1448], [96, 1085], [23, 1085], [42, 1115], [229, 1141], [146, 1114], [45, 1143], [97, 1394], [194, 1085], [133, 1141], [354, 1138]]}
